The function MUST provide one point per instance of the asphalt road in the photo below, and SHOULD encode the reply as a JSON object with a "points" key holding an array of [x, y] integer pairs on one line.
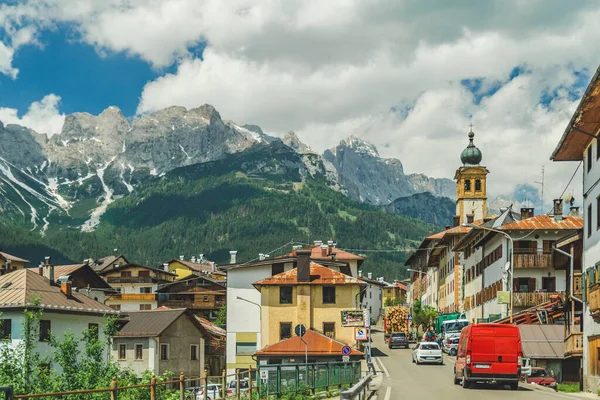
{"points": [[405, 380]]}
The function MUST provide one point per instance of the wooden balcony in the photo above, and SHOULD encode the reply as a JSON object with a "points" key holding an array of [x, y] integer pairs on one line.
{"points": [[577, 284], [530, 299], [574, 345], [130, 279], [531, 260], [194, 305], [135, 296]]}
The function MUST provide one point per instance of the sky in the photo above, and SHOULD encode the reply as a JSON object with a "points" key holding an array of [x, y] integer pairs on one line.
{"points": [[407, 76]]}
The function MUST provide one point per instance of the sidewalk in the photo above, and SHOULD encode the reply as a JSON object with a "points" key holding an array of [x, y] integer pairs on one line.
{"points": [[580, 395]]}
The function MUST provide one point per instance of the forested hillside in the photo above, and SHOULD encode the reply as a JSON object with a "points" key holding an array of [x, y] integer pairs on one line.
{"points": [[253, 202]]}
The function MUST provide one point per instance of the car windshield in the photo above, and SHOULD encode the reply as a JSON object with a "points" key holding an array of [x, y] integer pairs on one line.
{"points": [[430, 346], [454, 341], [399, 334], [536, 373], [457, 326]]}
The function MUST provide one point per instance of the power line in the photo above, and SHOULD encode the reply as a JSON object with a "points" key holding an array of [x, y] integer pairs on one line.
{"points": [[569, 183]]}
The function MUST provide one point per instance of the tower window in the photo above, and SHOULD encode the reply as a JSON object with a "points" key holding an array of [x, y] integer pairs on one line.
{"points": [[467, 185], [478, 185]]}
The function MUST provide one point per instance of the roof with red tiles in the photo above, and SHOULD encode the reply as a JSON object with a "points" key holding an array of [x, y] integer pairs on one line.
{"points": [[545, 221], [401, 286], [318, 252], [319, 275], [318, 345]]}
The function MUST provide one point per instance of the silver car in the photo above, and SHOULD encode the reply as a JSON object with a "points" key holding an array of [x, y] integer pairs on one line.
{"points": [[450, 345], [427, 352]]}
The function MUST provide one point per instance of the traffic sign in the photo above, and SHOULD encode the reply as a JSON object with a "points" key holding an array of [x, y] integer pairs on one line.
{"points": [[361, 334], [346, 350], [367, 318], [345, 358], [264, 374], [410, 317], [300, 330]]}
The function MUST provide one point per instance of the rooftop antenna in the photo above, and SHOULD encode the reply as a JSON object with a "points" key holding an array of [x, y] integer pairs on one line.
{"points": [[541, 183]]}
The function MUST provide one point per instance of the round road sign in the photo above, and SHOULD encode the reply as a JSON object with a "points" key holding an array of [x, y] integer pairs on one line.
{"points": [[346, 350]]}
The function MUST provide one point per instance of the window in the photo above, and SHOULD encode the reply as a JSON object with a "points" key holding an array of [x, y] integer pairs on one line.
{"points": [[164, 351], [524, 284], [205, 298], [145, 307], [44, 330], [285, 330], [478, 185], [285, 295], [142, 274], [589, 219], [146, 290], [467, 185], [549, 284], [5, 329], [125, 274], [597, 208], [328, 294], [115, 307], [329, 329], [139, 352], [194, 352], [589, 159], [93, 329], [122, 352], [245, 348]]}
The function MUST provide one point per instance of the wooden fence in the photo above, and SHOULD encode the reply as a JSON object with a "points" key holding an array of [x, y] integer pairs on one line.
{"points": [[185, 393]]}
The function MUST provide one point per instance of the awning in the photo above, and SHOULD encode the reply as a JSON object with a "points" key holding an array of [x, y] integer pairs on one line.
{"points": [[543, 341]]}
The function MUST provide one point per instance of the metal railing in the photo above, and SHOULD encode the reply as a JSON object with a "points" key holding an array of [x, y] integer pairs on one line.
{"points": [[303, 378], [359, 391]]}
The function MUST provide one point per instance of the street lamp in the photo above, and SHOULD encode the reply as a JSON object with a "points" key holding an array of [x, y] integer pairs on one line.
{"points": [[259, 314], [485, 228]]}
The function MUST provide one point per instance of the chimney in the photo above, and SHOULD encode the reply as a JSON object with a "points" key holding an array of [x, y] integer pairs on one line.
{"points": [[116, 251], [86, 261], [166, 266], [318, 242], [558, 209], [330, 243], [526, 212], [574, 211], [233, 256], [182, 257], [66, 287], [447, 227], [41, 269], [193, 259], [47, 262], [303, 265], [324, 249], [370, 275], [213, 265], [456, 220], [470, 218], [360, 273], [267, 256], [49, 270], [380, 279], [201, 257]]}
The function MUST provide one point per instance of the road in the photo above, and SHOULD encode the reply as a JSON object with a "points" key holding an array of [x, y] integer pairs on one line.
{"points": [[404, 380]]}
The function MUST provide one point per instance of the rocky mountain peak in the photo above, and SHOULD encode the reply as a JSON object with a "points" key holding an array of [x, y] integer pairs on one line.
{"points": [[207, 111], [358, 145], [291, 140]]}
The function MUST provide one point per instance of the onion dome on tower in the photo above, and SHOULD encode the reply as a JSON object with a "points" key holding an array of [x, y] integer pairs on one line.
{"points": [[471, 155]]}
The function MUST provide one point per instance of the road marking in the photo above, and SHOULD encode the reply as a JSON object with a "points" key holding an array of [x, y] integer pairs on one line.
{"points": [[387, 374], [388, 393]]}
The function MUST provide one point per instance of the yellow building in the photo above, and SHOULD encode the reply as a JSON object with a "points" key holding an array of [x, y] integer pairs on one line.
{"points": [[183, 268], [471, 192], [393, 293], [311, 295], [9, 263]]}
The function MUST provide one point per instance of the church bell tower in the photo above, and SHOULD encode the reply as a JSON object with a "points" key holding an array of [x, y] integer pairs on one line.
{"points": [[471, 191]]}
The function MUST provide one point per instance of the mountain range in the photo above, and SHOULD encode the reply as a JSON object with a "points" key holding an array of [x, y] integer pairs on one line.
{"points": [[68, 180]]}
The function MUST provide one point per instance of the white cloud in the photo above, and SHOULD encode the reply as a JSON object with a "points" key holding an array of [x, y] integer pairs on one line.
{"points": [[6, 56], [42, 116], [328, 69]]}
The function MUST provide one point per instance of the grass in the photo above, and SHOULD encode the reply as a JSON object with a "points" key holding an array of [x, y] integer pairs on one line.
{"points": [[568, 387]]}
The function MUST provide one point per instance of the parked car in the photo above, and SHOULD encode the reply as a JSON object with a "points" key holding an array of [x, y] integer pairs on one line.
{"points": [[450, 344], [213, 392], [489, 353], [427, 352], [232, 389], [398, 339], [191, 393], [539, 376]]}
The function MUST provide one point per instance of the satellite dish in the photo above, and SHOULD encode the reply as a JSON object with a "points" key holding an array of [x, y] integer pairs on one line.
{"points": [[507, 266], [568, 198]]}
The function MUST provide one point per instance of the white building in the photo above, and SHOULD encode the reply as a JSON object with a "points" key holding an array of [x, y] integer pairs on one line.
{"points": [[63, 309], [372, 298], [580, 143]]}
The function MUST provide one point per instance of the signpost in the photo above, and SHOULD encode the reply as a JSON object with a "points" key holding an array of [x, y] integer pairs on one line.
{"points": [[345, 358], [353, 318], [361, 334], [300, 331], [264, 374]]}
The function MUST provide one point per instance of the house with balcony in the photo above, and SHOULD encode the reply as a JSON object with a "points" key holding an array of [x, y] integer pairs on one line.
{"points": [[195, 265], [9, 263], [85, 280], [539, 271], [103, 263], [201, 294], [136, 286]]}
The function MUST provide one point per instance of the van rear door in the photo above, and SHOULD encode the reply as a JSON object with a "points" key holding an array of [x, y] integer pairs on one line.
{"points": [[508, 345], [483, 349]]}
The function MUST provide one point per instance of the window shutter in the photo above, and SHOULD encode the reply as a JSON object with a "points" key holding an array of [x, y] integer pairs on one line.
{"points": [[583, 288], [531, 284]]}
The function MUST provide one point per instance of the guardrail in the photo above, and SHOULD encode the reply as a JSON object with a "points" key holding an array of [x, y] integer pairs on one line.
{"points": [[359, 391]]}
